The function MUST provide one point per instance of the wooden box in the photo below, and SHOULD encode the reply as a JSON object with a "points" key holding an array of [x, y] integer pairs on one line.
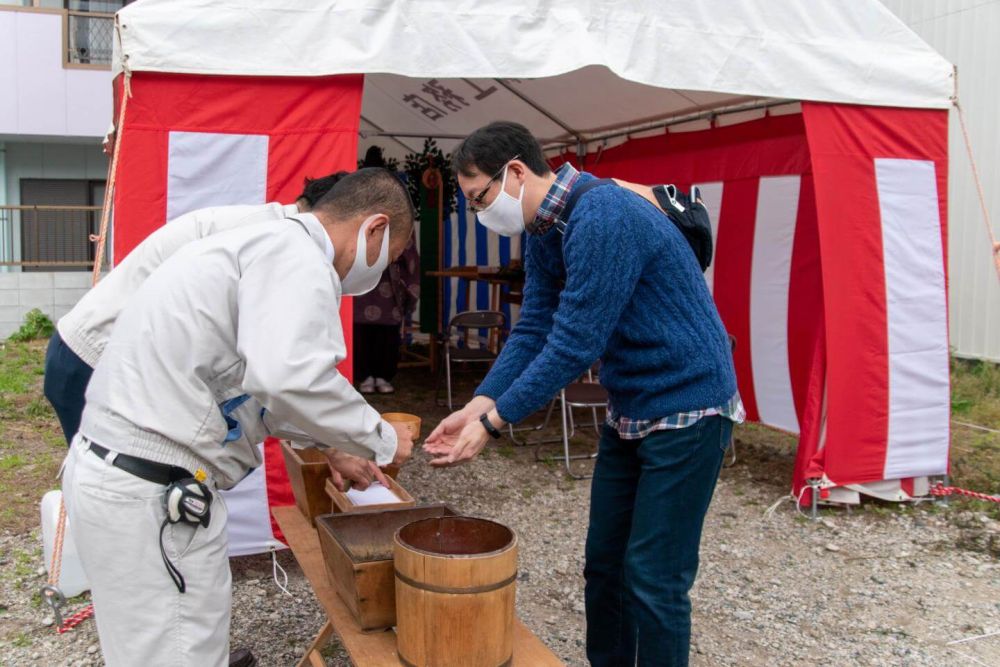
{"points": [[341, 503], [308, 472], [357, 547]]}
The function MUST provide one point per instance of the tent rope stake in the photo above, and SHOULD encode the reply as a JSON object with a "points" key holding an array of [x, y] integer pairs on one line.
{"points": [[50, 592]]}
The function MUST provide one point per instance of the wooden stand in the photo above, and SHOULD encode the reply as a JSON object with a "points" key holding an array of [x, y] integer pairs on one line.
{"points": [[369, 650]]}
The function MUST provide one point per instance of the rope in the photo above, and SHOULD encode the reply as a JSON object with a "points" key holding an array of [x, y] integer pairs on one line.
{"points": [[968, 657], [76, 619], [942, 490], [275, 566], [972, 639], [770, 511], [101, 238], [975, 175], [975, 426], [56, 567]]}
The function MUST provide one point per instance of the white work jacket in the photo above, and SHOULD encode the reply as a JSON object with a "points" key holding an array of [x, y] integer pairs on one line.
{"points": [[87, 327], [254, 310]]}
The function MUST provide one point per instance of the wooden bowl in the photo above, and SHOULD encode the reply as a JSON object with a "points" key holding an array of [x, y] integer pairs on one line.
{"points": [[412, 422]]}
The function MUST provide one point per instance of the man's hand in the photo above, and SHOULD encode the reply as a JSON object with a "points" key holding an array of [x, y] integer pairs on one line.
{"points": [[404, 443], [443, 438], [359, 471], [450, 450]]}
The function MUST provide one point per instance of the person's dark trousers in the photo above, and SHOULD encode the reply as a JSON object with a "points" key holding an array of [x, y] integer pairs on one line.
{"points": [[66, 379], [376, 351], [647, 507]]}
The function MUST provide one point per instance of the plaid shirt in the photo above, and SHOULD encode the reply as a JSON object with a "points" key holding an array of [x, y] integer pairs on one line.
{"points": [[549, 214], [636, 429], [555, 200]]}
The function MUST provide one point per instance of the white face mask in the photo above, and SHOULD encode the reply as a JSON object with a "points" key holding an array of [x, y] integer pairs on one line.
{"points": [[361, 278], [504, 216]]}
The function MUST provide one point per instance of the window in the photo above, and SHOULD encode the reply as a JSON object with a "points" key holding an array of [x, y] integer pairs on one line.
{"points": [[90, 30]]}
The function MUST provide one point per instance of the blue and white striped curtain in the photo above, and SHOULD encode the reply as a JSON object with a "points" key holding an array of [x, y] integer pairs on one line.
{"points": [[467, 243]]}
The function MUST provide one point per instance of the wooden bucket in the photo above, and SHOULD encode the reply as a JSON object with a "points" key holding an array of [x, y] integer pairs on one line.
{"points": [[455, 585]]}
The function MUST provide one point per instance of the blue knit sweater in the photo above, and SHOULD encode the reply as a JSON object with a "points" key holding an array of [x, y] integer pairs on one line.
{"points": [[634, 297]]}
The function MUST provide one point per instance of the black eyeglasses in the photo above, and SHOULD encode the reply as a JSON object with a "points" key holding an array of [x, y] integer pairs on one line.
{"points": [[476, 203]]}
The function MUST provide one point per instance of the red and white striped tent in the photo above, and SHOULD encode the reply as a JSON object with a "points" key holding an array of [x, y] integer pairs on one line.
{"points": [[816, 131]]}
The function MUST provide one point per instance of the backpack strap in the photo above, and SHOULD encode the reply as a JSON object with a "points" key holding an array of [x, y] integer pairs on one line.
{"points": [[579, 191]]}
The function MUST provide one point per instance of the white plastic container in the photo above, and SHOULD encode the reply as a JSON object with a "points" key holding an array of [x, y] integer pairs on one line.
{"points": [[72, 580]]}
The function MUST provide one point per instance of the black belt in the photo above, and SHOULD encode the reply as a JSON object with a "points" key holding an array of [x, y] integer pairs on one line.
{"points": [[151, 471]]}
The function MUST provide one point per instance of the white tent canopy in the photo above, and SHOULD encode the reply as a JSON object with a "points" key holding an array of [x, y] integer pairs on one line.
{"points": [[574, 71], [838, 304]]}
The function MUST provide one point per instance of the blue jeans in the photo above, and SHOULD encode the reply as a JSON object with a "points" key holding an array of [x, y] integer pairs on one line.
{"points": [[647, 508], [66, 379]]}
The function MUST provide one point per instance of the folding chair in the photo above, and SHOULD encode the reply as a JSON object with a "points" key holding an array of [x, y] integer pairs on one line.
{"points": [[525, 442], [461, 327], [581, 394], [732, 439]]}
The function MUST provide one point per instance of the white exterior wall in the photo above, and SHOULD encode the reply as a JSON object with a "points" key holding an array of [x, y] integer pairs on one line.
{"points": [[967, 32], [52, 293], [51, 160], [38, 96]]}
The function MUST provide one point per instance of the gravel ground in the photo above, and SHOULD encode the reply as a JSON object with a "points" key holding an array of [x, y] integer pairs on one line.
{"points": [[885, 586]]}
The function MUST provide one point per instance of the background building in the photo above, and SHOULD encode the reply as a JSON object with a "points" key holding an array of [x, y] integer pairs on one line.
{"points": [[55, 106], [967, 32]]}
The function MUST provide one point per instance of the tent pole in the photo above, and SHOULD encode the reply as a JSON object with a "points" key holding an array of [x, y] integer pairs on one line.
{"points": [[540, 109], [814, 487], [440, 215], [408, 135], [676, 120], [382, 133]]}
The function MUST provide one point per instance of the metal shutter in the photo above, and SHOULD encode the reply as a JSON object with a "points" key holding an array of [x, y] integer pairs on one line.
{"points": [[56, 236]]}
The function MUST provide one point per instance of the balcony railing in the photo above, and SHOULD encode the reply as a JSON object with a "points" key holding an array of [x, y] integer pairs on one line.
{"points": [[49, 238]]}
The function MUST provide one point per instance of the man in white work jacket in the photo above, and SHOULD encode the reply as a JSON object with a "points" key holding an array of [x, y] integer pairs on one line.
{"points": [[82, 333], [253, 311]]}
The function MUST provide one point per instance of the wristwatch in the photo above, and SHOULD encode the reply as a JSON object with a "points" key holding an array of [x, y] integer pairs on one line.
{"points": [[490, 428]]}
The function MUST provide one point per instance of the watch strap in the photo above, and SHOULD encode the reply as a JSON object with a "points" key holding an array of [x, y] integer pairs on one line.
{"points": [[490, 428]]}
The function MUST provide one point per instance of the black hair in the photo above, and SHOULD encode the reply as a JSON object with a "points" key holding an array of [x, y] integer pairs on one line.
{"points": [[369, 191], [492, 146], [314, 188], [374, 157]]}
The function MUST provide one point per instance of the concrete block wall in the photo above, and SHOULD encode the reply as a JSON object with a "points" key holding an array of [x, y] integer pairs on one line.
{"points": [[52, 293]]}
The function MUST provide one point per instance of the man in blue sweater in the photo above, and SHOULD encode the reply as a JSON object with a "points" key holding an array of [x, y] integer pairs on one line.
{"points": [[616, 281]]}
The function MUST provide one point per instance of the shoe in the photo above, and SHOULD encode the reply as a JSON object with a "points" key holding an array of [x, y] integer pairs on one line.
{"points": [[383, 386], [367, 386], [242, 657]]}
